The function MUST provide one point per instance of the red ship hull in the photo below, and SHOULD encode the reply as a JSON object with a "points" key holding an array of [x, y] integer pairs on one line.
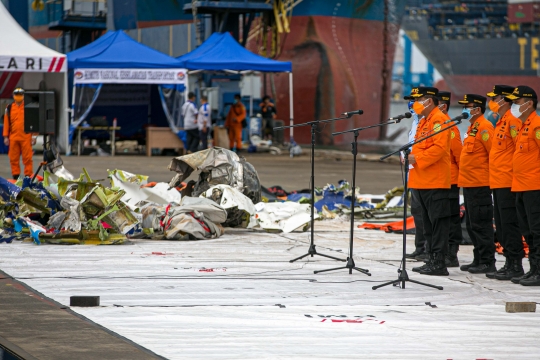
{"points": [[337, 67]]}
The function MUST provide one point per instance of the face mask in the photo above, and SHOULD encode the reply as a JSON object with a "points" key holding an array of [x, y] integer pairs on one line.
{"points": [[515, 110], [494, 105], [468, 111], [441, 107], [410, 105], [418, 106]]}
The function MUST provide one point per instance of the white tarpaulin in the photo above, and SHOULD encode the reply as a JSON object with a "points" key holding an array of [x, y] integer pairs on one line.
{"points": [[130, 76], [239, 297]]}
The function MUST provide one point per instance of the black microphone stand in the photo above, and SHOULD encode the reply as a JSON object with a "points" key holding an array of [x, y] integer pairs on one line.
{"points": [[312, 250], [350, 261], [403, 277]]}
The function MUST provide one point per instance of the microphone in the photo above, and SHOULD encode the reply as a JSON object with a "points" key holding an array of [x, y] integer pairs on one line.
{"points": [[462, 116], [401, 117], [351, 113]]}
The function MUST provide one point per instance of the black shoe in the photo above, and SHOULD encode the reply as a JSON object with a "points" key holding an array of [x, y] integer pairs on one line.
{"points": [[515, 269], [482, 268], [423, 267], [438, 266], [451, 259], [528, 274], [414, 254], [502, 270], [423, 257], [533, 280], [468, 266]]}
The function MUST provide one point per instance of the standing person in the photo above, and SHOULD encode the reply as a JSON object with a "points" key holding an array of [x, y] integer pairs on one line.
{"points": [[204, 121], [474, 179], [236, 115], [430, 175], [189, 112], [419, 252], [500, 181], [19, 142], [269, 113], [455, 236], [526, 179]]}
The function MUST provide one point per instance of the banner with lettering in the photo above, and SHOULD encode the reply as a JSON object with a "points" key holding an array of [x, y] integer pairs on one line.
{"points": [[130, 76], [33, 63]]}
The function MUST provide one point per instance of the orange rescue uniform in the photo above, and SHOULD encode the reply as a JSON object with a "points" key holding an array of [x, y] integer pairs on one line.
{"points": [[474, 162], [455, 153], [236, 114], [20, 143], [502, 151], [432, 167], [527, 156]]}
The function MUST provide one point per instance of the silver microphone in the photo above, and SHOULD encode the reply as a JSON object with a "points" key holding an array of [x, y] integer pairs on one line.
{"points": [[462, 116], [398, 118]]}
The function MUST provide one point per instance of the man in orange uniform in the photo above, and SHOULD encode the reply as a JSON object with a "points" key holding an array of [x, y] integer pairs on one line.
{"points": [[526, 180], [455, 236], [236, 114], [430, 175], [19, 142], [474, 179], [500, 181]]}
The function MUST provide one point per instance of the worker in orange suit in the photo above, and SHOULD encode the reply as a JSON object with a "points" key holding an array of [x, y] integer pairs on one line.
{"points": [[19, 142], [455, 236], [236, 115], [430, 176], [474, 179], [500, 181], [526, 179]]}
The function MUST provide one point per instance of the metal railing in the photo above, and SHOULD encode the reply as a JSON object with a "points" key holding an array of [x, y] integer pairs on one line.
{"points": [[60, 9]]}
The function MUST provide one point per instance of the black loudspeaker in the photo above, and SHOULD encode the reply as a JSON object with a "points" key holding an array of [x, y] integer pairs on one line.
{"points": [[40, 112]]}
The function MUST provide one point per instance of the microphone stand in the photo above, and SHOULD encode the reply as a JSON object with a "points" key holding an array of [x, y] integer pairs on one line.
{"points": [[312, 249], [403, 277], [350, 261]]}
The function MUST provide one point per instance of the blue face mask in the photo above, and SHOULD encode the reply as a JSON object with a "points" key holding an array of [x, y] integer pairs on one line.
{"points": [[467, 111], [409, 105]]}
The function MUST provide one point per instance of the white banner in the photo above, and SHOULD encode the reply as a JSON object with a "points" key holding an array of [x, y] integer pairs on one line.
{"points": [[33, 64], [130, 76]]}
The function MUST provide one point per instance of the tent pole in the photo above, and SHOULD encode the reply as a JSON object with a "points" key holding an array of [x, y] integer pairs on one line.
{"points": [[291, 107], [73, 96], [251, 96]]}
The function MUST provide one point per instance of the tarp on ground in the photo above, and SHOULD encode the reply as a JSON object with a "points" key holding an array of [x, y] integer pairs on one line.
{"points": [[222, 52]]}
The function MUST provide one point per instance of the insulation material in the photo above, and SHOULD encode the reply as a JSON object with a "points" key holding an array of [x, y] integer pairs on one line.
{"points": [[286, 216], [134, 193], [240, 209]]}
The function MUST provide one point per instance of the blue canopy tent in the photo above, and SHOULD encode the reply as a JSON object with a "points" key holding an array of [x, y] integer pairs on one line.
{"points": [[115, 58], [221, 52]]}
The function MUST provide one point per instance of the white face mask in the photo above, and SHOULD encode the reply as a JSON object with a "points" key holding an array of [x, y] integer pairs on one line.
{"points": [[515, 110]]}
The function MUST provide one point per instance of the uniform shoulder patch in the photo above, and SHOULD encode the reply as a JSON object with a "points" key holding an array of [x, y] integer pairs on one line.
{"points": [[513, 131], [452, 134], [437, 127], [485, 135], [537, 132]]}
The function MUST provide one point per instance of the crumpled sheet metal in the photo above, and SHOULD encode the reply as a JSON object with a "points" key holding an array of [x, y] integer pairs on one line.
{"points": [[240, 209], [285, 216], [199, 218], [218, 166], [223, 167]]}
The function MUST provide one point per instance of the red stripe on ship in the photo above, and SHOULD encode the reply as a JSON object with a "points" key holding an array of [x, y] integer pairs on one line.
{"points": [[59, 65], [51, 67]]}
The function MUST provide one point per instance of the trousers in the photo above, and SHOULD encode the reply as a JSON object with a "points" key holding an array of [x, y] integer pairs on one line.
{"points": [[507, 224], [435, 205], [455, 235], [528, 210], [235, 136], [192, 140], [479, 221], [416, 212], [16, 149]]}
